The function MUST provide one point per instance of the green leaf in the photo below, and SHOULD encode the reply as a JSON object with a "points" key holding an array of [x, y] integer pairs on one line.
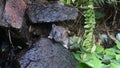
{"points": [[83, 65], [110, 52], [109, 55], [117, 57], [95, 63], [63, 1], [68, 1], [91, 55], [118, 44], [107, 58], [78, 42], [101, 2], [77, 56], [73, 1], [105, 66], [113, 65], [99, 49], [93, 48], [90, 6]]}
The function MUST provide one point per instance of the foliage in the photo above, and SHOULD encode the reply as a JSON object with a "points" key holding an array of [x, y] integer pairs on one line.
{"points": [[91, 55], [98, 2], [108, 58], [66, 1], [89, 15], [102, 2], [98, 15]]}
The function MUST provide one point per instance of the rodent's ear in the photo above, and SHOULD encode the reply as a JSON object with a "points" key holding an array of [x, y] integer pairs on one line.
{"points": [[53, 25]]}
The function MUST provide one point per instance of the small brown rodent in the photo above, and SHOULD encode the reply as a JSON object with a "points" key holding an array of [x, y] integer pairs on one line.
{"points": [[59, 34]]}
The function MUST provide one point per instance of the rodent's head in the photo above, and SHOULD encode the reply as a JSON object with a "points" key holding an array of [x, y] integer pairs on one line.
{"points": [[58, 33]]}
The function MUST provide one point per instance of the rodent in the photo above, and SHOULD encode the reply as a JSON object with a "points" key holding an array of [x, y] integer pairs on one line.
{"points": [[59, 34]]}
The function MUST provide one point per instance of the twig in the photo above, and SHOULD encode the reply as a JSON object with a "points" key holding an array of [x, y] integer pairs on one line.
{"points": [[9, 35], [112, 37], [114, 15]]}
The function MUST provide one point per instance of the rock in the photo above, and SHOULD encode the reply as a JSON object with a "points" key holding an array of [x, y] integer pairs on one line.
{"points": [[118, 36], [2, 22], [51, 12], [14, 12], [35, 1], [47, 54]]}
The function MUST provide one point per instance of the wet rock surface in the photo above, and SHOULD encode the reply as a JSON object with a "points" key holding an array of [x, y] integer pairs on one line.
{"points": [[47, 54], [51, 12]]}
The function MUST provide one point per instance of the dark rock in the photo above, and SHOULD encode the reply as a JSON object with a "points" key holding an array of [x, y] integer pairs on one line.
{"points": [[2, 21], [40, 30], [35, 1], [46, 54], [14, 12], [38, 1], [51, 12]]}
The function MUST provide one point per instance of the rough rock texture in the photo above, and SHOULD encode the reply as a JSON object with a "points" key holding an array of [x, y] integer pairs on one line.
{"points": [[51, 12], [46, 54], [14, 12], [2, 21], [35, 1]]}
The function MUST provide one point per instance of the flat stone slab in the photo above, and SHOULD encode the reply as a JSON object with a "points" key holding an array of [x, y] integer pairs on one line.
{"points": [[51, 12]]}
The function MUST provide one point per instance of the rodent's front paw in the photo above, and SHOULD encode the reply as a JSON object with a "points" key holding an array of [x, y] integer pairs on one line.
{"points": [[66, 46], [49, 37]]}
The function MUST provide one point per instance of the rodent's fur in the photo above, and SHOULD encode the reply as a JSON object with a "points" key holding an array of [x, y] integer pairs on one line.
{"points": [[59, 34]]}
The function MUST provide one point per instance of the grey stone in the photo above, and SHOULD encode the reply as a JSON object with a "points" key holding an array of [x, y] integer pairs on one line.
{"points": [[48, 54], [51, 12]]}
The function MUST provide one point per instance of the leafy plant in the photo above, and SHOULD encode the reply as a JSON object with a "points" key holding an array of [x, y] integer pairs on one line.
{"points": [[98, 15], [102, 2], [88, 44], [67, 1], [91, 55]]}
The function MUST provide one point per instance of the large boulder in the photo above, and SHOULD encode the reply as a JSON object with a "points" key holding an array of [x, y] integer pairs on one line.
{"points": [[47, 54], [14, 12], [51, 12]]}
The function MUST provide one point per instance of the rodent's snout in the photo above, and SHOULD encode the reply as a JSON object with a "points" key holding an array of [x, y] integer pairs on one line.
{"points": [[57, 38], [50, 37]]}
